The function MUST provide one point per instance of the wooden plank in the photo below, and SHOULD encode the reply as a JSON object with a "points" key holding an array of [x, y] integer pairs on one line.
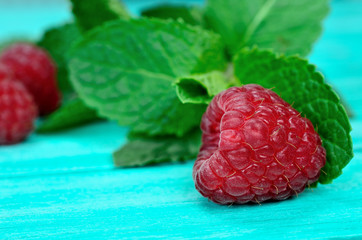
{"points": [[78, 149], [162, 202]]}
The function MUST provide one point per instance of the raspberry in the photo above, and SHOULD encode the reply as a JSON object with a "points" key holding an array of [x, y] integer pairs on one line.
{"points": [[17, 112], [255, 147], [34, 68]]}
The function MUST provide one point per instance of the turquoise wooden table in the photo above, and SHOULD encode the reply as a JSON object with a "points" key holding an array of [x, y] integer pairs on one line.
{"points": [[64, 186]]}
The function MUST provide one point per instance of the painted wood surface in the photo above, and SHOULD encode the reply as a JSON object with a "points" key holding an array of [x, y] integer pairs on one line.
{"points": [[64, 186]]}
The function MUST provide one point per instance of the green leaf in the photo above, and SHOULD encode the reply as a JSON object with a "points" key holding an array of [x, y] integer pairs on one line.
{"points": [[300, 84], [127, 69], [201, 88], [286, 26], [57, 41], [147, 151], [71, 114], [92, 13], [191, 15]]}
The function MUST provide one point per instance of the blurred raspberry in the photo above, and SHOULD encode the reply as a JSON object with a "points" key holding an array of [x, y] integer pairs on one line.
{"points": [[35, 69]]}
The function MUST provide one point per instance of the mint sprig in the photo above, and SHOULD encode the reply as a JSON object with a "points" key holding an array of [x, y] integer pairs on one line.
{"points": [[158, 76], [126, 70], [301, 85]]}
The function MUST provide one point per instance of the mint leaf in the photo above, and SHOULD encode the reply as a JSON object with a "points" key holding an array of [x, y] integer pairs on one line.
{"points": [[147, 151], [190, 15], [201, 88], [300, 84], [71, 114], [286, 26], [57, 41], [92, 13], [127, 69]]}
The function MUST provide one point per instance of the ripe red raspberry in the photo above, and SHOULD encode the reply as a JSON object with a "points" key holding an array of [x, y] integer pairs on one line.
{"points": [[34, 68], [255, 147], [17, 112]]}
